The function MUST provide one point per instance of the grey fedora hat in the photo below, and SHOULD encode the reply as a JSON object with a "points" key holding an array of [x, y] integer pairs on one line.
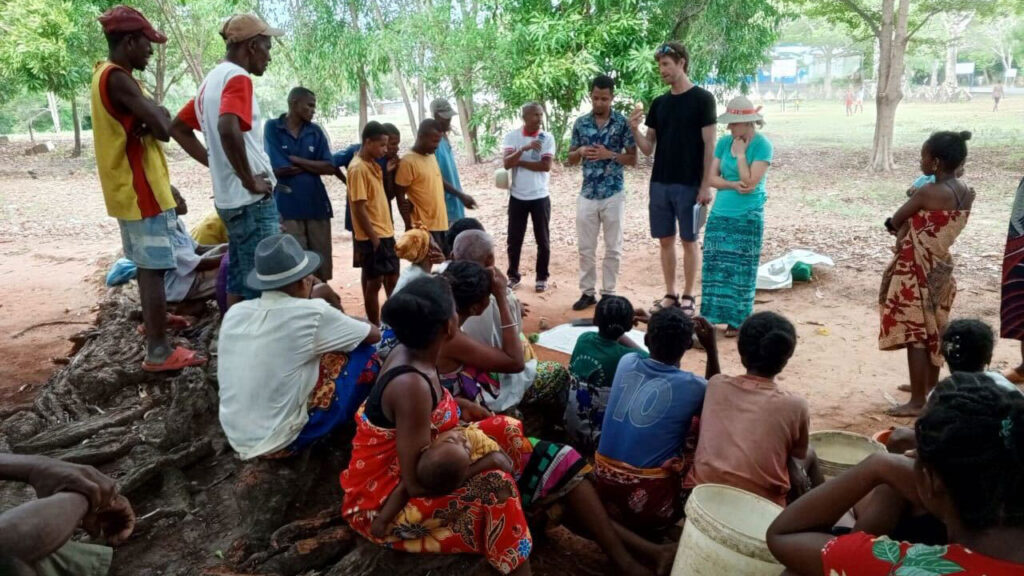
{"points": [[280, 260]]}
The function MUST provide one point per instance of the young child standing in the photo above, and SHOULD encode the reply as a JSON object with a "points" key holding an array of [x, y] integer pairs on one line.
{"points": [[374, 247], [918, 288], [750, 430]]}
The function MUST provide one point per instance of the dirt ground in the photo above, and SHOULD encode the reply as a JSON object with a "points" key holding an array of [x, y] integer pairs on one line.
{"points": [[56, 241]]}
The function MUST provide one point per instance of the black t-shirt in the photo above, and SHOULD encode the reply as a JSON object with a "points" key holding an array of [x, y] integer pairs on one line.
{"points": [[677, 120]]}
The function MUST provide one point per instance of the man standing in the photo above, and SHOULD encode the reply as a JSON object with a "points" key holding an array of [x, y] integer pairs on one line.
{"points": [[133, 173], [604, 143], [681, 135], [388, 167], [528, 152], [300, 153], [374, 247], [455, 200], [228, 115], [419, 178]]}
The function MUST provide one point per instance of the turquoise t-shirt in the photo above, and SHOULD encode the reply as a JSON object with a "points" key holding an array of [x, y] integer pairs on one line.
{"points": [[730, 202]]}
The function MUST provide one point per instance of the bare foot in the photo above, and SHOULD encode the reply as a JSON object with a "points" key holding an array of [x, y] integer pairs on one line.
{"points": [[904, 388], [665, 559], [908, 410]]}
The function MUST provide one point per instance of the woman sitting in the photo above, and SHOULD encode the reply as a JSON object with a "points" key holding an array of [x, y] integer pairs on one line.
{"points": [[968, 471], [404, 413], [592, 368]]}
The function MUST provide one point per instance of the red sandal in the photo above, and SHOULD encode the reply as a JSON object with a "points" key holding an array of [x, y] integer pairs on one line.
{"points": [[181, 358]]}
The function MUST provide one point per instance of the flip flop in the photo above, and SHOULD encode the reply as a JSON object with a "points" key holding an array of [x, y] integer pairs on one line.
{"points": [[174, 322], [181, 358]]}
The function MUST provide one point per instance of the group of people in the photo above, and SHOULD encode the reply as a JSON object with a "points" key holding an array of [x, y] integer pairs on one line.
{"points": [[464, 441]]}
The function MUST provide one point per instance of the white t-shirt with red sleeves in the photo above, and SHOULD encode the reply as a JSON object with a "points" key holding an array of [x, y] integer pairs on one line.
{"points": [[527, 184], [227, 89]]}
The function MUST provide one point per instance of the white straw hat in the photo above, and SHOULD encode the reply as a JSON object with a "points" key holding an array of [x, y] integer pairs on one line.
{"points": [[740, 109]]}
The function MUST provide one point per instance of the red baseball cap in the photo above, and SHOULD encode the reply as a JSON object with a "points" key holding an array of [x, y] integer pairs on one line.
{"points": [[126, 19]]}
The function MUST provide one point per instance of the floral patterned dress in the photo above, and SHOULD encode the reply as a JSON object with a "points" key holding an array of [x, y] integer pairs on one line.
{"points": [[473, 519], [865, 555], [918, 287]]}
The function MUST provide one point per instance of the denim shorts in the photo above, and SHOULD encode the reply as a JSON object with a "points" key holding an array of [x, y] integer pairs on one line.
{"points": [[670, 204], [247, 226], [147, 242]]}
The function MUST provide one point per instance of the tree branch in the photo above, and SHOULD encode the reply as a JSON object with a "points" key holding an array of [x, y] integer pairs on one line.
{"points": [[863, 14], [921, 24]]}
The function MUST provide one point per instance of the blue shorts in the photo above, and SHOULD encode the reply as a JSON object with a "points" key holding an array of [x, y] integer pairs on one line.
{"points": [[147, 242], [247, 226], [669, 204]]}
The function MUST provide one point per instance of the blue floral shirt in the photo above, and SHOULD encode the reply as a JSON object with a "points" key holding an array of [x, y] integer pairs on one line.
{"points": [[602, 178]]}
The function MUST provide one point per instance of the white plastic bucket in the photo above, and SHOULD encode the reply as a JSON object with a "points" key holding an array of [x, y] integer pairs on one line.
{"points": [[724, 534], [839, 451]]}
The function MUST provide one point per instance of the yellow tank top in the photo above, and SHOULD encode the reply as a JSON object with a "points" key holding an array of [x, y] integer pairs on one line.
{"points": [[132, 170]]}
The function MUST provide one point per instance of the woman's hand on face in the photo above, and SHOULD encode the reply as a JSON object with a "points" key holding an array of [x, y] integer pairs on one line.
{"points": [[739, 146]]}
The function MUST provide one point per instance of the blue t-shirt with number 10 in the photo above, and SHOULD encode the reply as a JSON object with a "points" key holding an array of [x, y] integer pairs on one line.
{"points": [[649, 412]]}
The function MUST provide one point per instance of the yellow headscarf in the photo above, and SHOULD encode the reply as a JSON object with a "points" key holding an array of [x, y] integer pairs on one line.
{"points": [[414, 245]]}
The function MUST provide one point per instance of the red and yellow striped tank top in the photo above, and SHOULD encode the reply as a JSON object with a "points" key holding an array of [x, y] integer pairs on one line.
{"points": [[133, 171]]}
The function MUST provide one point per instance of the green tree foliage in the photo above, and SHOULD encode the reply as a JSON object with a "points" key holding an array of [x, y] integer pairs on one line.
{"points": [[550, 54]]}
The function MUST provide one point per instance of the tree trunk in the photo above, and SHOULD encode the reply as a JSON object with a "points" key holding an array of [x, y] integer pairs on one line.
{"points": [[160, 74], [399, 78], [193, 60], [893, 38], [78, 128], [467, 132], [951, 78], [421, 99], [935, 74], [51, 101], [364, 98], [828, 74]]}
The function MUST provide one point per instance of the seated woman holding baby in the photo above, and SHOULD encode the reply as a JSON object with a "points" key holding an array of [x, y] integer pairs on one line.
{"points": [[450, 490]]}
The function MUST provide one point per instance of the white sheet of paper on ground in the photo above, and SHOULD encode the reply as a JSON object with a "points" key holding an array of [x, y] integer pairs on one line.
{"points": [[562, 338], [778, 274]]}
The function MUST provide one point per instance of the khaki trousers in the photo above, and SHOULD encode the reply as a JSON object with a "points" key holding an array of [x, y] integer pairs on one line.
{"points": [[591, 217]]}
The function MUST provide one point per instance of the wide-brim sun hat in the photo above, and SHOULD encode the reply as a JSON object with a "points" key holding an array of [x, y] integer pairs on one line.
{"points": [[280, 261], [739, 110]]}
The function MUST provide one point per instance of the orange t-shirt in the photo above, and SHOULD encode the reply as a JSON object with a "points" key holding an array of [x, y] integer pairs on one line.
{"points": [[748, 431], [365, 184], [421, 176]]}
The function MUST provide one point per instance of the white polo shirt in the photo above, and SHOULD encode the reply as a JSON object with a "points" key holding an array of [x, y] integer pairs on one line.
{"points": [[227, 89], [528, 184], [268, 363]]}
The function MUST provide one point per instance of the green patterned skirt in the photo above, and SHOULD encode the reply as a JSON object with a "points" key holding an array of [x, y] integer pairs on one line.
{"points": [[732, 251]]}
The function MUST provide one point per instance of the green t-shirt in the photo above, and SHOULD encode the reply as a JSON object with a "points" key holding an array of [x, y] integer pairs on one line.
{"points": [[730, 202], [595, 359]]}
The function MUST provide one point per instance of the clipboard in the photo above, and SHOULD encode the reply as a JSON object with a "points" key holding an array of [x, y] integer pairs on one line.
{"points": [[700, 216]]}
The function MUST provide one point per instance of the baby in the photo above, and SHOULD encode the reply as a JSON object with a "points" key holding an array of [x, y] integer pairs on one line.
{"points": [[444, 465]]}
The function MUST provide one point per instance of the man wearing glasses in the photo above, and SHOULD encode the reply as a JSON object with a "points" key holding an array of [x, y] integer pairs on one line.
{"points": [[681, 134]]}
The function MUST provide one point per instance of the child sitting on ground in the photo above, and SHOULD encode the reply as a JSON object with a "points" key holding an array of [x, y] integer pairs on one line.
{"points": [[445, 465], [754, 436], [646, 437], [967, 346], [592, 369]]}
